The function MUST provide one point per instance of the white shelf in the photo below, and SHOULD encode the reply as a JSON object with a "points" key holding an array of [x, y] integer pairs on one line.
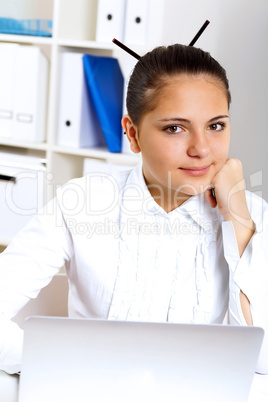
{"points": [[37, 40], [98, 153], [22, 144], [87, 44]]}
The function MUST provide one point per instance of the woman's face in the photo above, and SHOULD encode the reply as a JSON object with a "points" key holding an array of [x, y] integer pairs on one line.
{"points": [[184, 141]]}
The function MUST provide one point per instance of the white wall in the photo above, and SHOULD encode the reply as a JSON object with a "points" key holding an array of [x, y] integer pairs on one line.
{"points": [[238, 38]]}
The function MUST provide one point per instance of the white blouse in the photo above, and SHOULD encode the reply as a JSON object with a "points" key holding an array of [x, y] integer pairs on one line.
{"points": [[127, 259]]}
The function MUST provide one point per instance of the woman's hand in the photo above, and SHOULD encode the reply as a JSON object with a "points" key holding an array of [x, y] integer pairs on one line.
{"points": [[229, 188]]}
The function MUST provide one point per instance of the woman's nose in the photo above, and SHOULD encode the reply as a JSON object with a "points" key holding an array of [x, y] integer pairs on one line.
{"points": [[198, 145]]}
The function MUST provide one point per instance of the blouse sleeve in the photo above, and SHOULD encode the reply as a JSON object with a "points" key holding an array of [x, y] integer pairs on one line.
{"points": [[250, 273], [28, 264]]}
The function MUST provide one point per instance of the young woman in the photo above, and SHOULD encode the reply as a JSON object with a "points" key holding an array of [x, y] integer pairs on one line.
{"points": [[176, 239]]}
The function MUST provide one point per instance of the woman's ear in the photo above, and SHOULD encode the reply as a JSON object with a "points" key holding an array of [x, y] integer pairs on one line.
{"points": [[131, 132]]}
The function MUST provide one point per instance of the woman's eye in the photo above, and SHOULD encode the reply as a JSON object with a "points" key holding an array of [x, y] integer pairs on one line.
{"points": [[174, 129], [217, 126]]}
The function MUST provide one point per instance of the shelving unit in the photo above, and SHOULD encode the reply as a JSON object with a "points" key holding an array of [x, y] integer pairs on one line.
{"points": [[74, 27]]}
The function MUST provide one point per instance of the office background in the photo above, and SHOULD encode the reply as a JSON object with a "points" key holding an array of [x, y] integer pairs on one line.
{"points": [[236, 37]]}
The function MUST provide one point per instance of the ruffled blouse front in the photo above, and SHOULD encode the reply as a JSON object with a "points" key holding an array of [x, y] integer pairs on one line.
{"points": [[166, 269]]}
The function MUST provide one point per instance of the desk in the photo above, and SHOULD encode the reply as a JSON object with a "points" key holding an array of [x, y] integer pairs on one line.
{"points": [[9, 386]]}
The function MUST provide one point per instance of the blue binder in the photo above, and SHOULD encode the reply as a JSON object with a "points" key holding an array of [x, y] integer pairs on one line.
{"points": [[106, 85]]}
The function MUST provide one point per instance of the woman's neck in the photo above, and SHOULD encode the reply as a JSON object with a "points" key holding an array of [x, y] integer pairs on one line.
{"points": [[167, 198]]}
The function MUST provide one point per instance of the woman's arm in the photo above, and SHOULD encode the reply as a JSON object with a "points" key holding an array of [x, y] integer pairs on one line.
{"points": [[245, 305], [230, 195], [34, 256], [245, 236]]}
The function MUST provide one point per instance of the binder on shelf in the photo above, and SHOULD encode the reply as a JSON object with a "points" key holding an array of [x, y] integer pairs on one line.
{"points": [[8, 54], [30, 96], [110, 20], [136, 23], [78, 123], [106, 85]]}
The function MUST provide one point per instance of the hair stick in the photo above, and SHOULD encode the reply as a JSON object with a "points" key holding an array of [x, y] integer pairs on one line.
{"points": [[199, 33], [124, 47]]}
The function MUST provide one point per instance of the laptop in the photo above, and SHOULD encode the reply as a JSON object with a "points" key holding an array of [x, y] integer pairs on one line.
{"points": [[79, 360]]}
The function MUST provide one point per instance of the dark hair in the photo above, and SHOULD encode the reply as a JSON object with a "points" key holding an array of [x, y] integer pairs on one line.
{"points": [[155, 68]]}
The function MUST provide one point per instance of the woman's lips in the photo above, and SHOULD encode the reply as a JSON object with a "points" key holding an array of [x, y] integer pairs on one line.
{"points": [[196, 170]]}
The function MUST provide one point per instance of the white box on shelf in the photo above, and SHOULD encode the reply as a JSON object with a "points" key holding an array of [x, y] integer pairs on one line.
{"points": [[30, 97], [110, 20], [136, 24], [78, 123], [22, 180], [8, 54]]}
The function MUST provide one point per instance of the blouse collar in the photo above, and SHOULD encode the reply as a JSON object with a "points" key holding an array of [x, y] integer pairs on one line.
{"points": [[137, 199]]}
